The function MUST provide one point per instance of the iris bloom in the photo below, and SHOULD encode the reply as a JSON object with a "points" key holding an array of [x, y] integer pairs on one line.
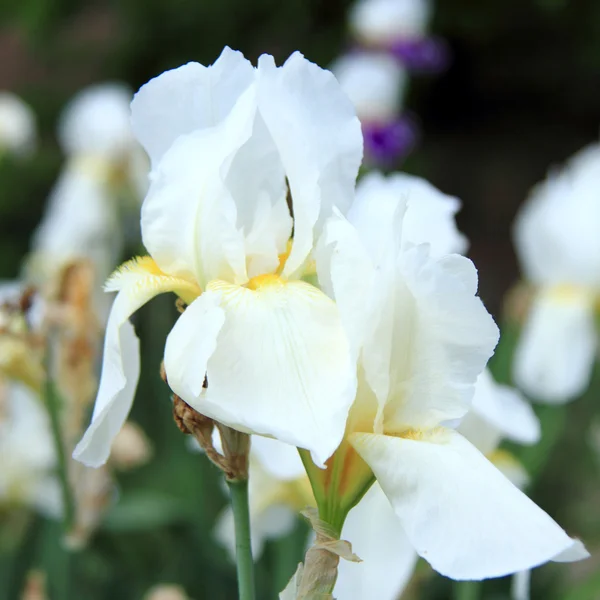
{"points": [[557, 237], [257, 348], [422, 337]]}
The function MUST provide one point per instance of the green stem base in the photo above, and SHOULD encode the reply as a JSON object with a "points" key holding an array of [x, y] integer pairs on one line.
{"points": [[243, 548]]}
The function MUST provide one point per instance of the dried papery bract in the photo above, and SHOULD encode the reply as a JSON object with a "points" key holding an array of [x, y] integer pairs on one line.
{"points": [[319, 571]]}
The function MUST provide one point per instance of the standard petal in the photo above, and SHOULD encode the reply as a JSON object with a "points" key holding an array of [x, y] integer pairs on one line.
{"points": [[442, 339], [346, 274], [137, 281], [186, 99], [189, 217], [460, 513], [281, 367], [319, 140], [388, 558], [557, 349]]}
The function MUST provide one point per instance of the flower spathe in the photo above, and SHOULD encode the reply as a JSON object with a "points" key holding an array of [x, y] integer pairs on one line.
{"points": [[423, 338], [223, 141], [557, 237]]}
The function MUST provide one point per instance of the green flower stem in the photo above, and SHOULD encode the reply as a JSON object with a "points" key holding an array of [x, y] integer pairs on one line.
{"points": [[53, 403], [467, 590], [243, 548]]}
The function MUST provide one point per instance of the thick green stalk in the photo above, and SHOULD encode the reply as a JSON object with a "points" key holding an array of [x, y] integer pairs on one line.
{"points": [[467, 590], [53, 403], [243, 548]]}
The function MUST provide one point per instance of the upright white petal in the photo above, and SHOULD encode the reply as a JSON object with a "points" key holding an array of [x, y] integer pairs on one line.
{"points": [[281, 366], [189, 98], [318, 135], [557, 348], [388, 558], [442, 338], [383, 21], [96, 121], [17, 125], [374, 82], [189, 218], [459, 512]]}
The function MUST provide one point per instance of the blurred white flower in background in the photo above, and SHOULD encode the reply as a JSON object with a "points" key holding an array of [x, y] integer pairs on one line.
{"points": [[557, 238], [227, 144], [27, 469], [374, 82], [384, 22], [18, 134], [105, 170]]}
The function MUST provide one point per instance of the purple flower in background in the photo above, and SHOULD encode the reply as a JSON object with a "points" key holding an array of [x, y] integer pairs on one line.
{"points": [[430, 54], [388, 143]]}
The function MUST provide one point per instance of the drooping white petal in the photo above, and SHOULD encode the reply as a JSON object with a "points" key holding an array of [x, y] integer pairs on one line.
{"points": [[385, 21], [502, 410], [460, 513], [96, 121], [557, 348], [319, 140], [388, 558], [278, 459], [118, 382], [374, 82], [137, 281], [190, 98], [281, 366], [191, 343], [442, 338]]}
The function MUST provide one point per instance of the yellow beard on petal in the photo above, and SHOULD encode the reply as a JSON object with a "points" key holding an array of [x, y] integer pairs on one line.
{"points": [[142, 272]]}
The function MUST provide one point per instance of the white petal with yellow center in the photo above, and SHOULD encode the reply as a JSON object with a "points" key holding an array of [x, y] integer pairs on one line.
{"points": [[281, 366]]}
